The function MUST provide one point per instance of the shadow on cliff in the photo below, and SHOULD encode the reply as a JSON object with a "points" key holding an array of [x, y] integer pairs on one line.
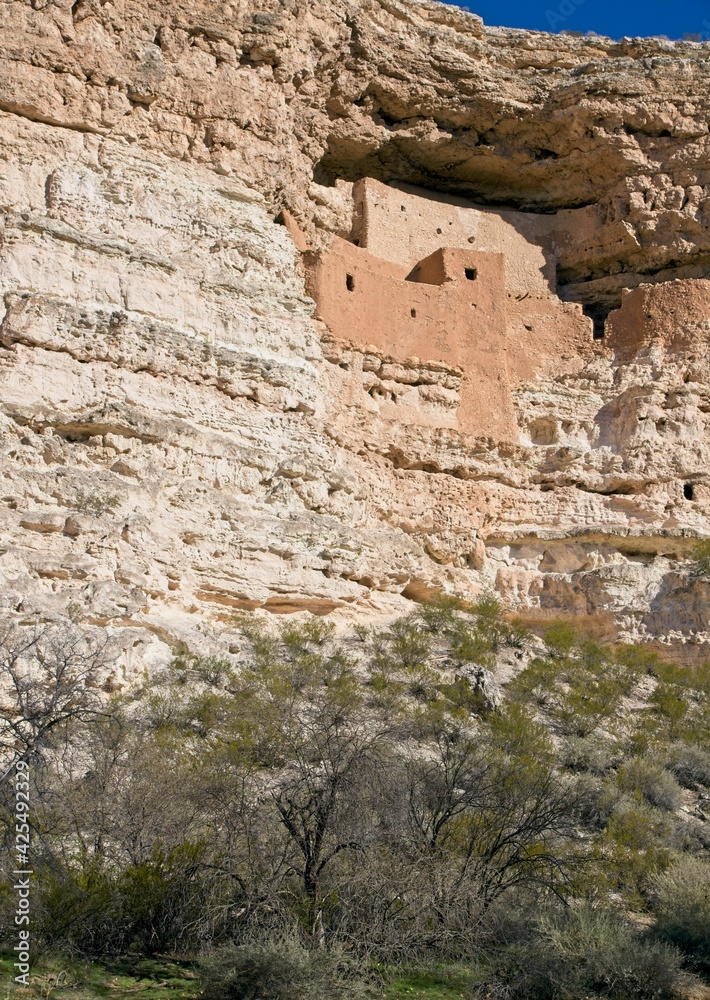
{"points": [[680, 605]]}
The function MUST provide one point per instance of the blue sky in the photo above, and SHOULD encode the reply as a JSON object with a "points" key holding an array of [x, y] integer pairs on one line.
{"points": [[607, 17]]}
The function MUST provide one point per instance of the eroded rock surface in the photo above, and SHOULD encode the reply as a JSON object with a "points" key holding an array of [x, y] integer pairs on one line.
{"points": [[180, 436]]}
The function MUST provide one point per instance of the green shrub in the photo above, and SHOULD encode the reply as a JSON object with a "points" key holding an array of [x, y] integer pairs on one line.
{"points": [[690, 677], [300, 638], [464, 697], [587, 953], [280, 970], [560, 638], [638, 826], [656, 785], [475, 645], [489, 621], [441, 615], [595, 800], [403, 647], [690, 764], [639, 840], [96, 503], [681, 904], [669, 708], [518, 636], [153, 905], [160, 897], [580, 682], [636, 659], [537, 682], [588, 753], [80, 912], [595, 686]]}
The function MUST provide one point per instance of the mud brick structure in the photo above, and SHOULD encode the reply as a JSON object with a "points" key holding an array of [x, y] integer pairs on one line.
{"points": [[470, 288]]}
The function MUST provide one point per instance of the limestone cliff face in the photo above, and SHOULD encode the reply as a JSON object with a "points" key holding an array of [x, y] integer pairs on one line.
{"points": [[180, 436]]}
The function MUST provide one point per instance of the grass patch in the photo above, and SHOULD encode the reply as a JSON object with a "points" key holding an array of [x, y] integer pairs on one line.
{"points": [[141, 978], [55, 978], [433, 984]]}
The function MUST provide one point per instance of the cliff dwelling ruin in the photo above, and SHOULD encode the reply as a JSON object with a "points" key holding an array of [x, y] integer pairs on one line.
{"points": [[473, 289], [468, 288]]}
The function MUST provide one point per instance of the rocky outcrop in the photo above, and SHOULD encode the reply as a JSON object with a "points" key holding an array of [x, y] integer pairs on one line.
{"points": [[181, 438]]}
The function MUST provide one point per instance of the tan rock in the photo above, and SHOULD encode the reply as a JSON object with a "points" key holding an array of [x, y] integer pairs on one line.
{"points": [[159, 353], [43, 521]]}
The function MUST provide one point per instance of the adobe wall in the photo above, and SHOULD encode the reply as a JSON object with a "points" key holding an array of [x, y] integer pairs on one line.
{"points": [[440, 315], [546, 337], [439, 322], [673, 315], [405, 227]]}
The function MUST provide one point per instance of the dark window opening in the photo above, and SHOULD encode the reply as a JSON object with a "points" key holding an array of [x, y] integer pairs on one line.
{"points": [[350, 282], [438, 232], [598, 318], [403, 209], [471, 273], [413, 313], [688, 491]]}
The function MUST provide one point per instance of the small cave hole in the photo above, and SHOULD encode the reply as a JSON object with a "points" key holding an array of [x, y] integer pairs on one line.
{"points": [[413, 313], [688, 491], [471, 273], [438, 232], [350, 282], [402, 208]]}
